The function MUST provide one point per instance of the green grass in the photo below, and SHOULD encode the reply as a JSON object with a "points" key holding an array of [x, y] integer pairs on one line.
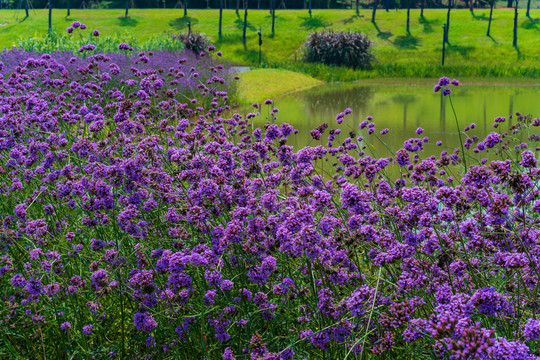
{"points": [[261, 84], [418, 54], [463, 80]]}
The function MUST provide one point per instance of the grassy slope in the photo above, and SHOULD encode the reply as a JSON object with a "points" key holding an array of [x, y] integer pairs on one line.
{"points": [[260, 84], [469, 45]]}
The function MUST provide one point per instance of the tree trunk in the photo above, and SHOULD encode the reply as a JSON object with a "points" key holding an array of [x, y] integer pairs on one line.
{"points": [[310, 8], [245, 20], [408, 15], [422, 4], [237, 6], [471, 4], [67, 7], [26, 7], [490, 16], [357, 7], [273, 15], [448, 21], [528, 8], [374, 11], [220, 16], [50, 16], [185, 7], [127, 7], [387, 5], [509, 3], [514, 42]]}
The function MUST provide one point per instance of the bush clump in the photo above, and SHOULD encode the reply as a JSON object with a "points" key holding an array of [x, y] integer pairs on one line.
{"points": [[339, 48], [195, 42]]}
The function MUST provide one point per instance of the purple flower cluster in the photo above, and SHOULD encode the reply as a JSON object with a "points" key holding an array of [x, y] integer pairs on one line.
{"points": [[77, 25], [443, 84], [136, 200]]}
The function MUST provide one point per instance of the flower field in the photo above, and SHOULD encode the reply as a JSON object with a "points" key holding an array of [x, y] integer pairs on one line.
{"points": [[142, 218]]}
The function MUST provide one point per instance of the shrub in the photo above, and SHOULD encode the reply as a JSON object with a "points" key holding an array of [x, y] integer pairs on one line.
{"points": [[342, 48], [195, 42]]}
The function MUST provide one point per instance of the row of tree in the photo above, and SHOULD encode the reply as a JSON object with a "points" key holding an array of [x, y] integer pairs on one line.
{"points": [[252, 4], [452, 4], [274, 4]]}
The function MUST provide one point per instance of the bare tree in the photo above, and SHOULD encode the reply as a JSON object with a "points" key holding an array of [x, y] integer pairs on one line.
{"points": [[245, 20], [50, 16], [408, 15], [273, 15], [514, 42], [447, 29], [220, 16], [491, 4]]}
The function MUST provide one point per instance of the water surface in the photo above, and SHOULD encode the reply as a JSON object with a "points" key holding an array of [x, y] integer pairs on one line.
{"points": [[402, 109]]}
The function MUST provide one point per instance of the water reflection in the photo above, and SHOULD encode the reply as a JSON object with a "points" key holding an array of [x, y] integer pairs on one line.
{"points": [[317, 101], [402, 109]]}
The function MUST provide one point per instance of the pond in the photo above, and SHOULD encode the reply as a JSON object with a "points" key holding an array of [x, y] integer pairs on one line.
{"points": [[402, 109]]}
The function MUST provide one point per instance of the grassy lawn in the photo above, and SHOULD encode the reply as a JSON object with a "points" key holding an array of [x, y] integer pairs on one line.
{"points": [[261, 84], [399, 53]]}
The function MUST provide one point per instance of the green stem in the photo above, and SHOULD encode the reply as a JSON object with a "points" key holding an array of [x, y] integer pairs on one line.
{"points": [[459, 133]]}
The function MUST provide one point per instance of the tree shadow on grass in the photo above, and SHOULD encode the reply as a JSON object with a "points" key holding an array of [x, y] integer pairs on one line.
{"points": [[313, 22], [279, 20], [240, 25], [251, 56], [463, 50], [530, 24], [352, 18], [385, 35], [269, 18], [229, 39], [492, 39], [519, 54], [482, 17], [181, 23], [406, 42], [127, 21], [427, 24]]}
